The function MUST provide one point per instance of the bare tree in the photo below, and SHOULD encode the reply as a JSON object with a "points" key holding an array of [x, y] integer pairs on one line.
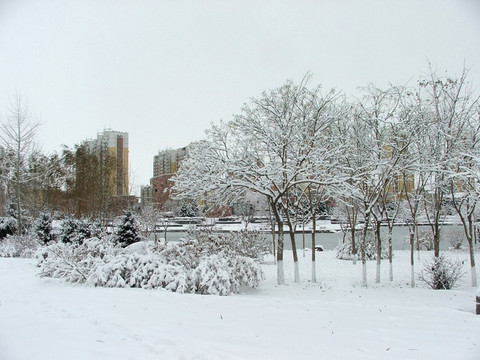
{"points": [[279, 141], [17, 137], [447, 106], [374, 154], [464, 170], [148, 218]]}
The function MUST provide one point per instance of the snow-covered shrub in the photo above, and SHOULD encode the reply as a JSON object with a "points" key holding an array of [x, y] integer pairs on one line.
{"points": [[212, 276], [344, 251], [245, 272], [18, 246], [74, 261], [441, 272], [186, 266], [243, 243], [43, 228], [128, 233], [186, 253], [8, 226], [221, 276]]}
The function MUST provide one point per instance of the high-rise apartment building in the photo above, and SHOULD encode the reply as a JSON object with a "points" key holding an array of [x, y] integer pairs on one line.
{"points": [[165, 165], [167, 162], [113, 148]]}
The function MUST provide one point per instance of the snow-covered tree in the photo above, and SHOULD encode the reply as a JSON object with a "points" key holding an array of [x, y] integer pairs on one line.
{"points": [[375, 146], [188, 209], [127, 233], [463, 173], [148, 219], [77, 230], [43, 228], [280, 140], [8, 226], [465, 204], [17, 137], [447, 105]]}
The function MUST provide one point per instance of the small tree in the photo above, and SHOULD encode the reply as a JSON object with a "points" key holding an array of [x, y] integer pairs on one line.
{"points": [[441, 272], [128, 231], [8, 225], [188, 209], [43, 228]]}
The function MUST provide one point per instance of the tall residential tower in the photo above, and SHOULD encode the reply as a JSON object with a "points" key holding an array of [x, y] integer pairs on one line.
{"points": [[114, 144]]}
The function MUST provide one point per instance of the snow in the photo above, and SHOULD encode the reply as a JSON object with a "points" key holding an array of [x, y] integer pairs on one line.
{"points": [[239, 225], [336, 318]]}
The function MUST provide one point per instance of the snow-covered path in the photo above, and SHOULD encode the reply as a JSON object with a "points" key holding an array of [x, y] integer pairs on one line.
{"points": [[336, 319]]}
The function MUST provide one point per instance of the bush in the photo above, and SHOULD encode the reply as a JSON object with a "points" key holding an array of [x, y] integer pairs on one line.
{"points": [[441, 272], [243, 243], [203, 267], [8, 226], [18, 246], [344, 251], [75, 262]]}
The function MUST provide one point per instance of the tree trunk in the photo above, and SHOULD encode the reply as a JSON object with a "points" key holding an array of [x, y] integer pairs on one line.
{"points": [[303, 239], [354, 245], [379, 250], [274, 247], [390, 253], [295, 256], [471, 251], [412, 258], [362, 251], [280, 272], [436, 240], [314, 269]]}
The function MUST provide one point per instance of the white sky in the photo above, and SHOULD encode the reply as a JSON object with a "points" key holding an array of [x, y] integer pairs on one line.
{"points": [[164, 70]]}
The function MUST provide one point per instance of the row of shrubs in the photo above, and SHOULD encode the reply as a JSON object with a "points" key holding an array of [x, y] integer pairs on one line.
{"points": [[219, 265]]}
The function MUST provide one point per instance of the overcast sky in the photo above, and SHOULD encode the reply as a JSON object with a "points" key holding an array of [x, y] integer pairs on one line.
{"points": [[164, 70]]}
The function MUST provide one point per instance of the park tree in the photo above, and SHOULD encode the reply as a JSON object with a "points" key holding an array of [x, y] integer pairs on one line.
{"points": [[148, 219], [279, 141], [447, 106], [17, 137], [127, 233], [94, 188], [463, 174], [43, 228], [374, 151]]}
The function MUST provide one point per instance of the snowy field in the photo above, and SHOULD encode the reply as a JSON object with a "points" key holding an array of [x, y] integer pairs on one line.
{"points": [[334, 319]]}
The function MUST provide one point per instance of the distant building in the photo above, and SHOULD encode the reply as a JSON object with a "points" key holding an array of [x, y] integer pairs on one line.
{"points": [[146, 195], [161, 189], [167, 162], [114, 144]]}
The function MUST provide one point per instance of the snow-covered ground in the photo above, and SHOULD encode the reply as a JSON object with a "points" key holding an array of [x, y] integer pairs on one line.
{"points": [[333, 319]]}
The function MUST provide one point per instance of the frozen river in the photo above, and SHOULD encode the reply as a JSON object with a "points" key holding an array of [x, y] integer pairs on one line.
{"points": [[330, 240]]}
